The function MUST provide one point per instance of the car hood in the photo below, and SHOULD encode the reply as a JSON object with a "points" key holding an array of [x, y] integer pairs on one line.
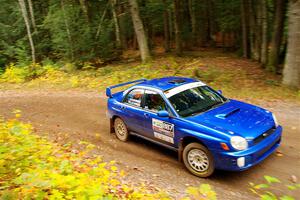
{"points": [[235, 117]]}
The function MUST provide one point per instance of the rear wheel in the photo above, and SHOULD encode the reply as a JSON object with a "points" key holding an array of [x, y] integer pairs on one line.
{"points": [[198, 160], [121, 130]]}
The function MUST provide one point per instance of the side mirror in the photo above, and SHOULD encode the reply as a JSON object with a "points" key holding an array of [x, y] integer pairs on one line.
{"points": [[163, 113], [220, 91]]}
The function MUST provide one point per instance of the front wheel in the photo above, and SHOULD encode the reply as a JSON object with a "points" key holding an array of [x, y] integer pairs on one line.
{"points": [[121, 130], [198, 160]]}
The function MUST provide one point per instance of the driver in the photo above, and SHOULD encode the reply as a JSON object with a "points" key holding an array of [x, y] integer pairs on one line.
{"points": [[157, 103]]}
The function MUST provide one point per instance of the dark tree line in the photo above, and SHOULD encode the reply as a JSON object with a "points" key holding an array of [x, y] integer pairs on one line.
{"points": [[99, 30]]}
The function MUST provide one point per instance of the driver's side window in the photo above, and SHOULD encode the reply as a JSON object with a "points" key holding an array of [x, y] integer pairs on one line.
{"points": [[134, 97], [154, 102]]}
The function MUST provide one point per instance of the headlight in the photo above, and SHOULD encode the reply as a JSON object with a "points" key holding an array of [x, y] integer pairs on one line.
{"points": [[275, 120], [239, 143]]}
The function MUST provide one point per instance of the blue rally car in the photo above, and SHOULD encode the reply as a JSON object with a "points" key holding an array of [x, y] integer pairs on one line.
{"points": [[207, 130]]}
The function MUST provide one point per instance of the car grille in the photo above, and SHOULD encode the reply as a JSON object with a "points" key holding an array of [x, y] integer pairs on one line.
{"points": [[264, 135]]}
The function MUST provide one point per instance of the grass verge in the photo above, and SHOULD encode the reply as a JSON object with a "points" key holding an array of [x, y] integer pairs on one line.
{"points": [[238, 78]]}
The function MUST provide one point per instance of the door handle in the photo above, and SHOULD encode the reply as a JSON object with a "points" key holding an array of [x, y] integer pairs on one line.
{"points": [[146, 115], [122, 107]]}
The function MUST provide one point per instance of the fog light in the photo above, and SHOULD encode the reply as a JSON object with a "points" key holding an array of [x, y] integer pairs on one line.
{"points": [[241, 161]]}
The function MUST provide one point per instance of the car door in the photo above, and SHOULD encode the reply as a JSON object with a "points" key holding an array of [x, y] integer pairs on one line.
{"points": [[158, 128], [132, 112]]}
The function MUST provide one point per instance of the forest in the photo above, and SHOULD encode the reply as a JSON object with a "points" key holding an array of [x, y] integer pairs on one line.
{"points": [[57, 57], [100, 31]]}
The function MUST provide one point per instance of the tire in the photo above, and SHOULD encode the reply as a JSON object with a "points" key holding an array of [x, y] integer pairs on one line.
{"points": [[121, 129], [198, 160]]}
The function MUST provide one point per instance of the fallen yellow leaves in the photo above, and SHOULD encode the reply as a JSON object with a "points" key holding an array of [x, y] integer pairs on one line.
{"points": [[32, 167]]}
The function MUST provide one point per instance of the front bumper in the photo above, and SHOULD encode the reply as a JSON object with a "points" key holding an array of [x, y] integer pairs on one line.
{"points": [[255, 154]]}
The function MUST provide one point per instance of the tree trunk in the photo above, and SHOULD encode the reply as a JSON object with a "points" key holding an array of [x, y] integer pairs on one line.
{"points": [[254, 29], [25, 17], [211, 23], [67, 29], [122, 16], [193, 21], [264, 33], [84, 9], [259, 30], [245, 28], [204, 24], [273, 59], [101, 21], [171, 26], [166, 28], [140, 31], [178, 26], [134, 42], [31, 11], [116, 22], [291, 72], [206, 35]]}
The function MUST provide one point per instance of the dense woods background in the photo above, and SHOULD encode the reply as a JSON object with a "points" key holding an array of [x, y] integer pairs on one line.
{"points": [[99, 31], [55, 54]]}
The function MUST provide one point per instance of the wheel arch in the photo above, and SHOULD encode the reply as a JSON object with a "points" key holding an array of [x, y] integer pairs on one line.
{"points": [[111, 123], [184, 142]]}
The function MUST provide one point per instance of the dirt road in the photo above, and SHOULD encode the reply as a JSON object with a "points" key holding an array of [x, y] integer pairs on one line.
{"points": [[82, 116]]}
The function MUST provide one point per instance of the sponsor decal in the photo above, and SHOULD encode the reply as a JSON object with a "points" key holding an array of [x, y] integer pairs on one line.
{"points": [[163, 130], [164, 137]]}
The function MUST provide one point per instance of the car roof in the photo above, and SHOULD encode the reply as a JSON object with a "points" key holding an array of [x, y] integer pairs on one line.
{"points": [[166, 83]]}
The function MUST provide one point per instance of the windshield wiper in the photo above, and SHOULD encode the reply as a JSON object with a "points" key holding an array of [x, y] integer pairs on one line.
{"points": [[213, 105], [205, 109], [198, 112]]}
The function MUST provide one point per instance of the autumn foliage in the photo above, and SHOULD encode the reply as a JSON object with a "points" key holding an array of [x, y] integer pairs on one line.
{"points": [[33, 168]]}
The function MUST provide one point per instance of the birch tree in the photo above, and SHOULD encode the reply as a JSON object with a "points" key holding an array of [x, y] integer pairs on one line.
{"points": [[26, 20], [67, 28], [31, 11], [116, 22], [101, 21]]}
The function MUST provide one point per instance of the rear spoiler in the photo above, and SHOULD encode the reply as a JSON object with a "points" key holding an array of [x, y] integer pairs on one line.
{"points": [[108, 89]]}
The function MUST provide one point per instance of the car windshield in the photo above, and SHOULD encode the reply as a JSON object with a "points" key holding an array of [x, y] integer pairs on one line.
{"points": [[196, 100]]}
